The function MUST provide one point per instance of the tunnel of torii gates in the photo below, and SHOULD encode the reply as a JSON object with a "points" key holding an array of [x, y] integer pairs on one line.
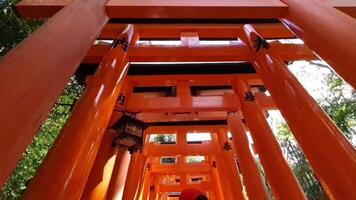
{"points": [[187, 88]]}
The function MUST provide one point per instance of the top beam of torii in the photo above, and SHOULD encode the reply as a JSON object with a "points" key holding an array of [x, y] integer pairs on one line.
{"points": [[131, 11]]}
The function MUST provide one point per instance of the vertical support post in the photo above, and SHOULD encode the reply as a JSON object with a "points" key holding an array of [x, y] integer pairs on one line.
{"points": [[189, 39], [38, 76], [180, 160], [154, 187], [230, 164], [143, 184], [216, 186], [99, 178], [314, 130], [183, 180], [80, 139], [119, 174], [160, 195], [184, 94], [134, 176], [124, 96], [327, 31], [181, 138], [220, 175], [146, 185], [249, 169], [281, 178]]}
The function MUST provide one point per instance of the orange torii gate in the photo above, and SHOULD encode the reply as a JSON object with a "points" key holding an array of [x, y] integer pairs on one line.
{"points": [[83, 164]]}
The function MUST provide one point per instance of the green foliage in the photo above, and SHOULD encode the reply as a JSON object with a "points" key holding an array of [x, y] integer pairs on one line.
{"points": [[36, 152], [264, 179], [339, 105], [164, 138], [299, 163], [284, 133], [339, 102], [195, 159], [13, 29]]}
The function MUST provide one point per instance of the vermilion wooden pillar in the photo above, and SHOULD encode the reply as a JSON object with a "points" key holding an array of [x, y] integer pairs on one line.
{"points": [[34, 74], [319, 138], [249, 169], [119, 174], [216, 190], [219, 173], [100, 174], [281, 178], [230, 164], [326, 30], [183, 180], [154, 180], [134, 176], [72, 156], [159, 195], [183, 92], [144, 186]]}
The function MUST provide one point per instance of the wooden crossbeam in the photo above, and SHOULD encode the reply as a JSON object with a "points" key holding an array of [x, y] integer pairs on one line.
{"points": [[167, 117], [181, 168], [219, 53], [178, 174], [204, 186], [204, 31], [188, 54], [346, 6], [239, 52], [181, 149], [179, 10], [194, 80], [165, 129], [127, 10], [169, 109], [227, 102], [193, 113]]}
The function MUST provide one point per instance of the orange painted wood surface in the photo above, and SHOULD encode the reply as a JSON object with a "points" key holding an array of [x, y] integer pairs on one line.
{"points": [[315, 132], [239, 52], [87, 125], [34, 74]]}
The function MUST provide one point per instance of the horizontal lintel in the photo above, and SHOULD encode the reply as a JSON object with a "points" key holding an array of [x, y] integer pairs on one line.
{"points": [[240, 52], [139, 11], [179, 11]]}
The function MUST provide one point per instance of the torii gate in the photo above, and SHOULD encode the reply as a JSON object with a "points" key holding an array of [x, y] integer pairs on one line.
{"points": [[43, 64]]}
